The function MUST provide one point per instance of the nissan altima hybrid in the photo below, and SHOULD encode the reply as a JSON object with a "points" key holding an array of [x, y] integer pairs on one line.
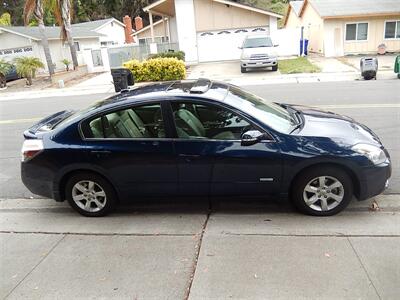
{"points": [[202, 138]]}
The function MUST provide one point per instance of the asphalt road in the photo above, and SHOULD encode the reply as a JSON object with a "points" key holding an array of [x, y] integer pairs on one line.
{"points": [[374, 103]]}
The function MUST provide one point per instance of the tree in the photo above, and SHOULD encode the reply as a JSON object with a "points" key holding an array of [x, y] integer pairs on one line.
{"points": [[62, 11], [5, 19], [5, 67], [27, 67], [35, 8]]}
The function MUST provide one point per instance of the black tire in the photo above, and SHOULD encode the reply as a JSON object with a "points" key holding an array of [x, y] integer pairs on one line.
{"points": [[243, 70], [109, 200], [275, 68], [307, 176], [398, 76]]}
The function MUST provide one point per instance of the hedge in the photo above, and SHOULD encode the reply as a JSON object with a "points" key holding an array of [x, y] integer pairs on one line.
{"points": [[177, 54], [157, 69]]}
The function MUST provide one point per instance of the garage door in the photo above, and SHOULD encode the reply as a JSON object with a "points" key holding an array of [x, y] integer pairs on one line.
{"points": [[223, 44]]}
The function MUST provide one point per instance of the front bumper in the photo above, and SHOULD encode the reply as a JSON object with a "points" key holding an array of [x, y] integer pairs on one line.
{"points": [[258, 63], [374, 180]]}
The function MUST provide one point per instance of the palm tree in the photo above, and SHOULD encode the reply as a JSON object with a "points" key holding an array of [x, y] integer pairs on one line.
{"points": [[5, 67], [63, 12], [27, 67], [35, 8]]}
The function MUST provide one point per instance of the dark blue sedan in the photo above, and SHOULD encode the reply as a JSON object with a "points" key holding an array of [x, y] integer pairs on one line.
{"points": [[202, 138]]}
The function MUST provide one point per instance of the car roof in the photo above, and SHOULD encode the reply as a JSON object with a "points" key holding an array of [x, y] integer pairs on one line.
{"points": [[199, 88]]}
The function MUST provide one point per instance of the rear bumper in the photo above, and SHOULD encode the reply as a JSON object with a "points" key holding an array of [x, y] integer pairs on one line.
{"points": [[39, 180], [259, 63], [374, 180]]}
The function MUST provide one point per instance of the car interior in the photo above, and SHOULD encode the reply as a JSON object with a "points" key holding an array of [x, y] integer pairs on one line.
{"points": [[207, 121], [192, 121], [141, 122]]}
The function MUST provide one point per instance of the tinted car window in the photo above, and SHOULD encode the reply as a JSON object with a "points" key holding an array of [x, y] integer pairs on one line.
{"points": [[137, 122], [200, 121], [267, 112]]}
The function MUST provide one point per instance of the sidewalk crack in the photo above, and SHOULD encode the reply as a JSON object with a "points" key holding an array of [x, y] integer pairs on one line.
{"points": [[365, 270], [196, 259], [40, 261]]}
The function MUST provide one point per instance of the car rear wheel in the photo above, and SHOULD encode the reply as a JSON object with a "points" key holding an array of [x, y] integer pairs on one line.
{"points": [[90, 195], [322, 191]]}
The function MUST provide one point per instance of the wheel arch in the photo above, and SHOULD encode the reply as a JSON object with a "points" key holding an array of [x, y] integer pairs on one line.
{"points": [[68, 174], [354, 179]]}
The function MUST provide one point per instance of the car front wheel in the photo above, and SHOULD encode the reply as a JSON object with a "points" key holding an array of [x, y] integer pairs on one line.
{"points": [[275, 68], [90, 195], [322, 191]]}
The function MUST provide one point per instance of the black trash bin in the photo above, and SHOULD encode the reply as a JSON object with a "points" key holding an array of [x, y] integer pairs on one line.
{"points": [[122, 79]]}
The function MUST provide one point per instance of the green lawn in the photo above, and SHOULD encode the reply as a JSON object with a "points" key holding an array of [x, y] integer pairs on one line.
{"points": [[297, 65]]}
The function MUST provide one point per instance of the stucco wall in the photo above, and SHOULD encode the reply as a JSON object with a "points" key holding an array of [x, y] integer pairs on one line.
{"points": [[158, 31], [293, 20], [210, 15], [10, 40], [313, 29], [114, 32]]}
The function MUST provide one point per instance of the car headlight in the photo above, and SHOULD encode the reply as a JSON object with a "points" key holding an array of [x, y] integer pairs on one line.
{"points": [[245, 56], [374, 153]]}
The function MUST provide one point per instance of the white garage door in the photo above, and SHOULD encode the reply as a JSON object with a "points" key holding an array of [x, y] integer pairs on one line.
{"points": [[223, 44]]}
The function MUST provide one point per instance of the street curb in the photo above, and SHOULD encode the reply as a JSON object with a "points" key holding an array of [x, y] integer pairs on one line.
{"points": [[383, 202]]}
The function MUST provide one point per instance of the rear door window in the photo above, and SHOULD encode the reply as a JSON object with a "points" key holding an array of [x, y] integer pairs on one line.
{"points": [[139, 122]]}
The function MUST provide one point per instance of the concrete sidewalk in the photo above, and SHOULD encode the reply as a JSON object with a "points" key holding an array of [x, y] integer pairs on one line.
{"points": [[97, 85], [240, 251]]}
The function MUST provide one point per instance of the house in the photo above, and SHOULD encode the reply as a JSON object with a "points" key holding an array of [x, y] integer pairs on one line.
{"points": [[343, 27], [206, 30], [112, 31], [26, 41]]}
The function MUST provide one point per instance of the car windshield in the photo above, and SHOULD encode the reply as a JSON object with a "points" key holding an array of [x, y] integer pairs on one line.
{"points": [[267, 112], [257, 42]]}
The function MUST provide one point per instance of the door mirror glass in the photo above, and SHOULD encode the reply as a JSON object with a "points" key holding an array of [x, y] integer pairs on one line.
{"points": [[276, 45], [252, 137]]}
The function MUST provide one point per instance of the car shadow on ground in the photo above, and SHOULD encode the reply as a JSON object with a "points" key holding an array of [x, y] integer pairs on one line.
{"points": [[239, 205]]}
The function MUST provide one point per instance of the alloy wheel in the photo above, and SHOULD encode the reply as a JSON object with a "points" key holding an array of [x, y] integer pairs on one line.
{"points": [[323, 193], [89, 196]]}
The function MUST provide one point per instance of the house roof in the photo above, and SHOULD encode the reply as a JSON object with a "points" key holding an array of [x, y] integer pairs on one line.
{"points": [[162, 3], [52, 33], [95, 25], [353, 8]]}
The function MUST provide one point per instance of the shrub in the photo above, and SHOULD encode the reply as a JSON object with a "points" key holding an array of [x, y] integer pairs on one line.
{"points": [[157, 69], [176, 54], [27, 66]]}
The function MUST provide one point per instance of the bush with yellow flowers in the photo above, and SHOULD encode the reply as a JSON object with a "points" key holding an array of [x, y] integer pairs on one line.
{"points": [[157, 69]]}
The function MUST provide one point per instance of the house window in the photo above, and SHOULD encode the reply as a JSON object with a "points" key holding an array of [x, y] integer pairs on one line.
{"points": [[392, 30], [357, 32], [77, 47], [142, 41]]}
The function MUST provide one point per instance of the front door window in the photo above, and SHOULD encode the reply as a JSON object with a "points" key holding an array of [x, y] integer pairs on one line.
{"points": [[205, 121]]}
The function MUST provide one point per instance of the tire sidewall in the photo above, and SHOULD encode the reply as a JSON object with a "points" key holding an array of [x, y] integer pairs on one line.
{"points": [[108, 189], [306, 176]]}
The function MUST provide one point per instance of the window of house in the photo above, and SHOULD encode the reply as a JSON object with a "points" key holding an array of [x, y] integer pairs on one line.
{"points": [[357, 32], [392, 30], [138, 122], [77, 46], [142, 41]]}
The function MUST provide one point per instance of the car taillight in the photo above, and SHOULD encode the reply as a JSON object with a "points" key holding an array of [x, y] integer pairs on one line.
{"points": [[30, 149]]}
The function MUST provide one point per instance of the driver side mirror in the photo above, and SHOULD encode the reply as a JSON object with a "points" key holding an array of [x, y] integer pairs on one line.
{"points": [[240, 47], [276, 45], [252, 137]]}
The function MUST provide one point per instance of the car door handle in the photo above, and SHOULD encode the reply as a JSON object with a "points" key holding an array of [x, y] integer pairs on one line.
{"points": [[100, 153], [189, 155]]}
